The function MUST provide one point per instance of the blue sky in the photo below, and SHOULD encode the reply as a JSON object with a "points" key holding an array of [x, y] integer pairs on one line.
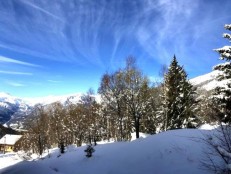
{"points": [[57, 47]]}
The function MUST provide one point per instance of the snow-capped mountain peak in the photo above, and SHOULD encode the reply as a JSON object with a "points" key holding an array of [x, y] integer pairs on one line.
{"points": [[7, 98], [14, 110], [74, 98]]}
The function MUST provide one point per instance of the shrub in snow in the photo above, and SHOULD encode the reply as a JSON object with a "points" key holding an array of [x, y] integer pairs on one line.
{"points": [[89, 150], [62, 147], [218, 152]]}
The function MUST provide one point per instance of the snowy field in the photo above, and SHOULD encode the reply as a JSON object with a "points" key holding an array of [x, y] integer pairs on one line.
{"points": [[176, 151]]}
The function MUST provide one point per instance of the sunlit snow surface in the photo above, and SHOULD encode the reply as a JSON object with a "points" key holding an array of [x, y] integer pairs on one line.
{"points": [[207, 81], [176, 151]]}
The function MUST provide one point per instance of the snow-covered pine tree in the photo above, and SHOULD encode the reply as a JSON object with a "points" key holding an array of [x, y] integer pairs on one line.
{"points": [[188, 102], [225, 52], [178, 99], [222, 95]]}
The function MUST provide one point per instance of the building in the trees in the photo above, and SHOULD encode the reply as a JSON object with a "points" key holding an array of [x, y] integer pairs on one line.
{"points": [[7, 143]]}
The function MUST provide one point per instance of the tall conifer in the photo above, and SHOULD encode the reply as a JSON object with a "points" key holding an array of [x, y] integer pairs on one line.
{"points": [[178, 99], [222, 94]]}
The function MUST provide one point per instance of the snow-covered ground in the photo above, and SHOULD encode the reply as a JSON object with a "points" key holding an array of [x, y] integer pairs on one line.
{"points": [[175, 151], [9, 159]]}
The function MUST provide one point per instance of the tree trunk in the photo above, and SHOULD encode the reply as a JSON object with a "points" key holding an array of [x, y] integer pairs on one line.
{"points": [[89, 138], [40, 145], [137, 127], [121, 129]]}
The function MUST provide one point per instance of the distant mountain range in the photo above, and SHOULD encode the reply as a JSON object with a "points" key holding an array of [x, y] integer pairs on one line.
{"points": [[11, 107], [14, 110]]}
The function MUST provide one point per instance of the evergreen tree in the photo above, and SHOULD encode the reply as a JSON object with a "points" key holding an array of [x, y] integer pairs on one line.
{"points": [[177, 109], [222, 95], [188, 104]]}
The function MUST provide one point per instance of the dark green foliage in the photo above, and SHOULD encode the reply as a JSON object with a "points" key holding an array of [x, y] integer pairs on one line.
{"points": [[226, 69], [218, 152], [177, 110], [225, 52], [222, 94]]}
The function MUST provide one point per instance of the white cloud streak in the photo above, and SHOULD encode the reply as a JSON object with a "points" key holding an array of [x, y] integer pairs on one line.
{"points": [[42, 10], [158, 37], [16, 73], [100, 32], [15, 84], [9, 60]]}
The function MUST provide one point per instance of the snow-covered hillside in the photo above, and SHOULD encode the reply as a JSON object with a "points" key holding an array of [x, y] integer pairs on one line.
{"points": [[176, 151], [207, 81]]}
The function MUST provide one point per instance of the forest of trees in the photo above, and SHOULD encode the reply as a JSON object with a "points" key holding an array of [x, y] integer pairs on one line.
{"points": [[129, 102]]}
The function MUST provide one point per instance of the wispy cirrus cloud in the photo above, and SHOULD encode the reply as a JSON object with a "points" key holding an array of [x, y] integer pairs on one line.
{"points": [[9, 60], [16, 73], [42, 10], [100, 32], [94, 31], [164, 36], [181, 28], [15, 84]]}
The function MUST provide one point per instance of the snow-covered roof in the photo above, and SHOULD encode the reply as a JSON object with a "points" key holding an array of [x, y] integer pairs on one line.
{"points": [[10, 139]]}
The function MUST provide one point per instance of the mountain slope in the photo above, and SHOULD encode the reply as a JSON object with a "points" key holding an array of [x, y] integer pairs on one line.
{"points": [[207, 82], [10, 106]]}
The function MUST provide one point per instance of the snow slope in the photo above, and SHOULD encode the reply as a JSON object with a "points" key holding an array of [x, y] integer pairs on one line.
{"points": [[176, 151], [207, 81]]}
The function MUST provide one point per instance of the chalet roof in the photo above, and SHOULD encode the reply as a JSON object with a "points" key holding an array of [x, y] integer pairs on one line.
{"points": [[10, 139]]}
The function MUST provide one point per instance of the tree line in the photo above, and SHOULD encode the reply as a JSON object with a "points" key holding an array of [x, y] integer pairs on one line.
{"points": [[129, 102]]}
